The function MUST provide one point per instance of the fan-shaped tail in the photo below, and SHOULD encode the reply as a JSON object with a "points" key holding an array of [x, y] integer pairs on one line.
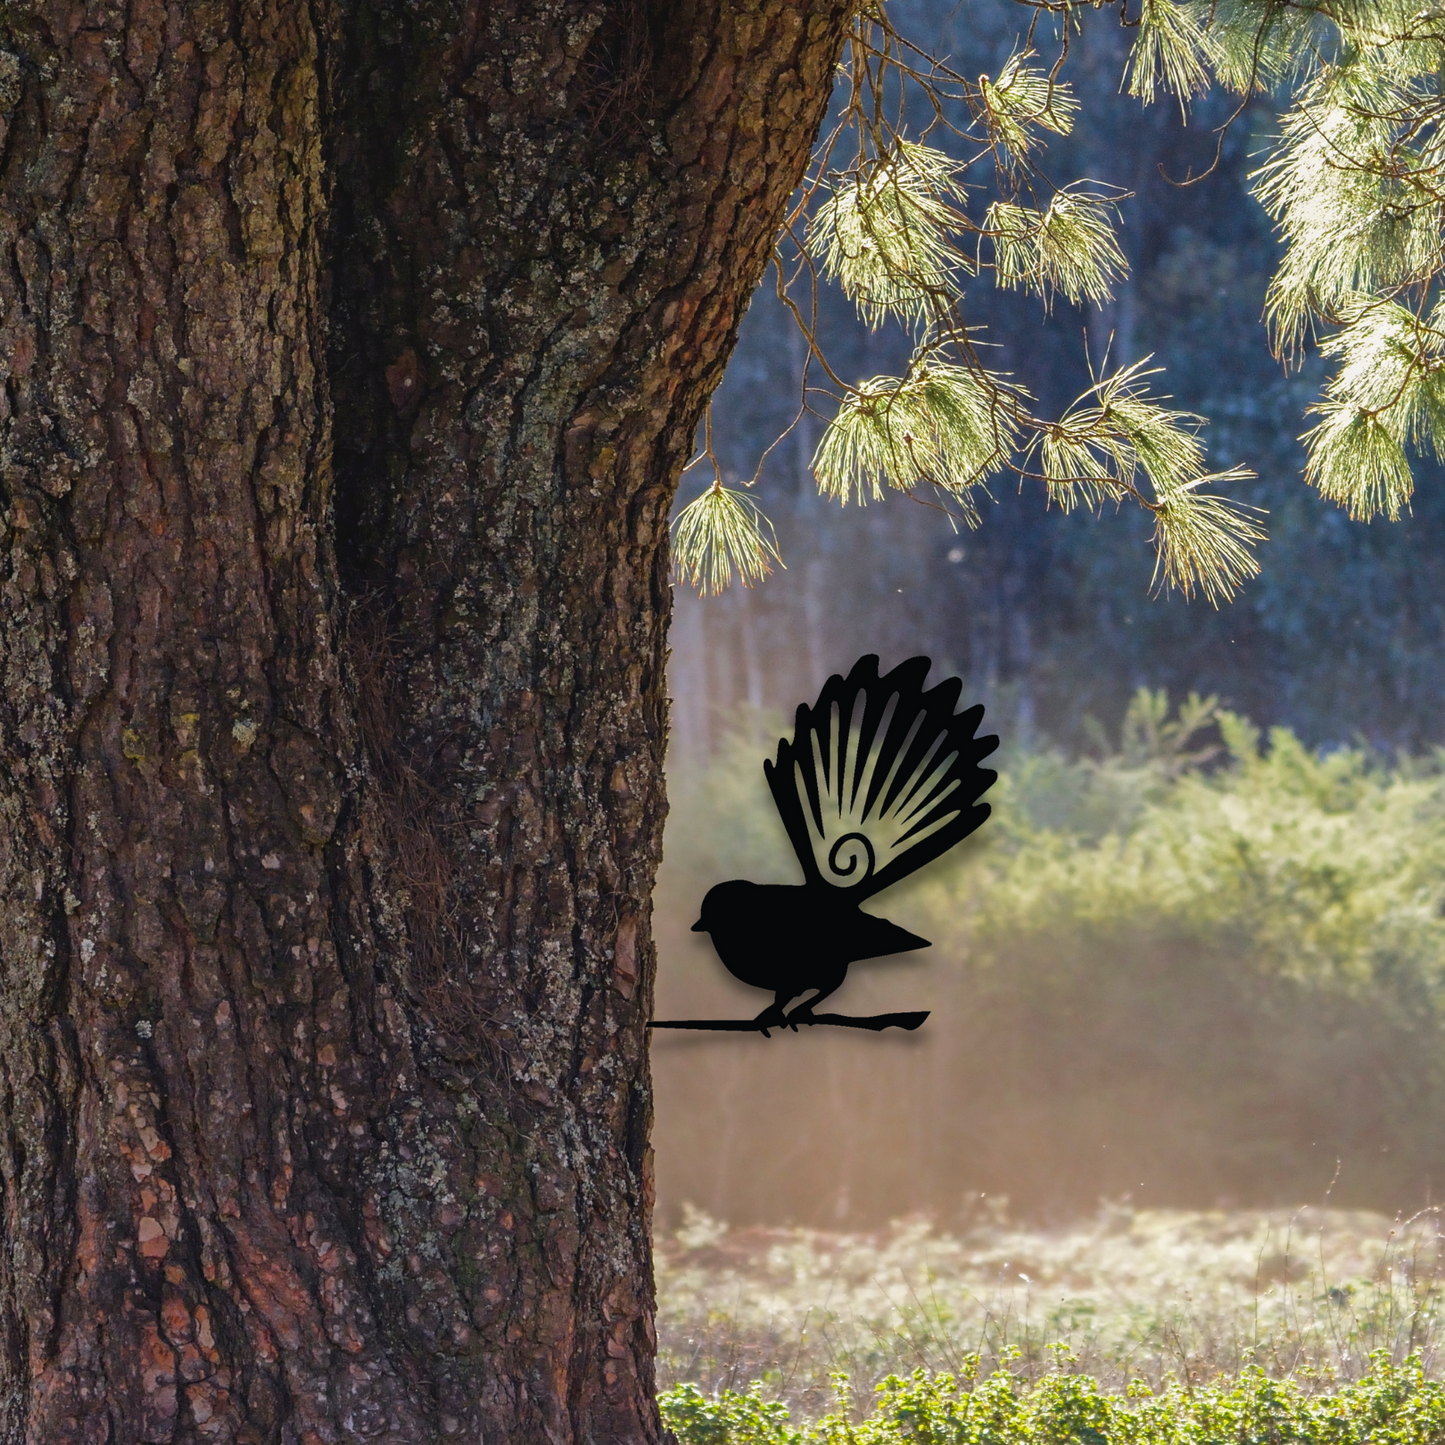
{"points": [[880, 776]]}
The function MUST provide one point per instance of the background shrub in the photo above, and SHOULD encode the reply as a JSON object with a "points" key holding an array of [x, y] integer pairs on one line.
{"points": [[1198, 967]]}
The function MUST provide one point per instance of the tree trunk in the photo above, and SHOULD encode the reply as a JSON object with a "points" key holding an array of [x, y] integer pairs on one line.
{"points": [[324, 924]]}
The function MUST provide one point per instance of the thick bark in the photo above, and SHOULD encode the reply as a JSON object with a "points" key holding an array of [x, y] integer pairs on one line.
{"points": [[538, 283], [323, 1083]]}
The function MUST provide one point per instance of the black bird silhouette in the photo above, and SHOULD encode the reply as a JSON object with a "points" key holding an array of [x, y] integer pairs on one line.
{"points": [[880, 778]]}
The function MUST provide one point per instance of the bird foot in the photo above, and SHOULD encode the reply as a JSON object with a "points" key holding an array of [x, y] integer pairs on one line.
{"points": [[771, 1017], [803, 1014]]}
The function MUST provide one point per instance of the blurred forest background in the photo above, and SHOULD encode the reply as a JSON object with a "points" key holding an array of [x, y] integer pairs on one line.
{"points": [[1195, 958]]}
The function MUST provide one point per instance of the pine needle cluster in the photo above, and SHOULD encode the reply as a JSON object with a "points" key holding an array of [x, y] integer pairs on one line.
{"points": [[1114, 441], [938, 425], [722, 530], [1356, 183], [901, 224]]}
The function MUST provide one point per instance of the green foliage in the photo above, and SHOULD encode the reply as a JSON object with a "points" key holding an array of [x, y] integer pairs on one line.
{"points": [[940, 424], [1355, 184], [894, 227], [1389, 393], [1150, 739], [1355, 181], [1392, 1405], [731, 1419], [721, 530], [1172, 50], [1023, 97], [1356, 460], [1070, 247], [1096, 452], [1329, 868], [883, 233]]}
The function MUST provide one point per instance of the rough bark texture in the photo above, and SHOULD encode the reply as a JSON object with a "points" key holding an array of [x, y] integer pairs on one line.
{"points": [[324, 936]]}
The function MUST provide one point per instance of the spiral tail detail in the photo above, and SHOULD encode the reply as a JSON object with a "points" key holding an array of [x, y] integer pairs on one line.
{"points": [[846, 854]]}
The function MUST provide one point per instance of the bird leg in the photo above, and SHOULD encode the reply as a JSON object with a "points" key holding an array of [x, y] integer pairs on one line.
{"points": [[773, 1016], [803, 1014]]}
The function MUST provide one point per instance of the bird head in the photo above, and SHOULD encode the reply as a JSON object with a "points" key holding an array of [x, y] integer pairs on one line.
{"points": [[720, 902]]}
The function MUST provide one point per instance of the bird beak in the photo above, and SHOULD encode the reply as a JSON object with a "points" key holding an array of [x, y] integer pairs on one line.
{"points": [[698, 927]]}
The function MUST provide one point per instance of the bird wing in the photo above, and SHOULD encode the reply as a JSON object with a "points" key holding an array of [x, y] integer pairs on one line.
{"points": [[871, 937], [880, 776]]}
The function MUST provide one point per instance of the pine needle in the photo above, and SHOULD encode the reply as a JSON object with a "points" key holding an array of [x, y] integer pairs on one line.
{"points": [[1354, 201], [882, 234], [720, 531], [1070, 247], [1024, 99], [1356, 461], [1204, 542], [944, 424], [1171, 51]]}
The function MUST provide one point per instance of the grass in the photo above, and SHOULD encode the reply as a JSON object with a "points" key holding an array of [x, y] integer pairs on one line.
{"points": [[1148, 1305]]}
